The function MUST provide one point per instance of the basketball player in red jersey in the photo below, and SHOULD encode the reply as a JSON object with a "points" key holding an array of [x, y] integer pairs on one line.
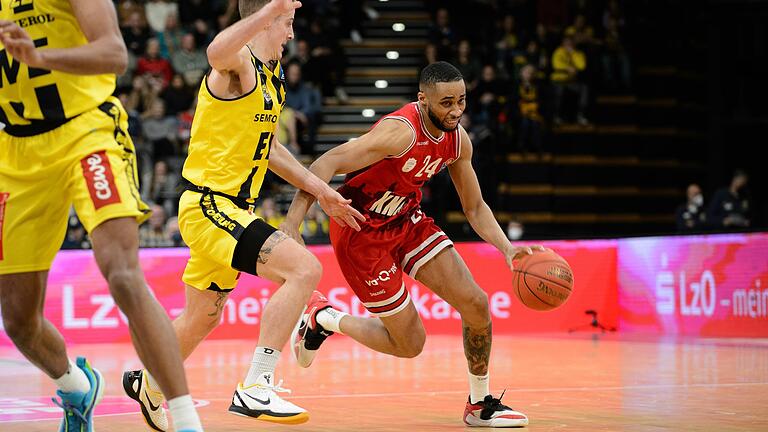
{"points": [[387, 166]]}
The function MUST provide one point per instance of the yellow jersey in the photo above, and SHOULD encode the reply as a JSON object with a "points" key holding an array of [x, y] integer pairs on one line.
{"points": [[32, 100], [230, 139]]}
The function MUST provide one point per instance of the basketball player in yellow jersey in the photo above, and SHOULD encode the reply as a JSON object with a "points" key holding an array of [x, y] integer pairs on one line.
{"points": [[64, 142], [231, 146]]}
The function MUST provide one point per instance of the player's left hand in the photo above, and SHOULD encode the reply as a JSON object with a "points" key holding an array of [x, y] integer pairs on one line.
{"points": [[339, 208], [516, 252], [19, 45]]}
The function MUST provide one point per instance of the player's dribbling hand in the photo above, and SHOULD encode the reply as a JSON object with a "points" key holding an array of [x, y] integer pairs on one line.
{"points": [[517, 252], [292, 231], [339, 208], [19, 45]]}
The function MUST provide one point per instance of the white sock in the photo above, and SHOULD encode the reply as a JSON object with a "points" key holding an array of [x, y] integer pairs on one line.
{"points": [[478, 387], [73, 380], [330, 319], [264, 360], [183, 414]]}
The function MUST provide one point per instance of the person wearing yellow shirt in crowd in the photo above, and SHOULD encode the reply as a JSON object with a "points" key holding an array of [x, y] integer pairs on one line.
{"points": [[568, 66], [531, 121]]}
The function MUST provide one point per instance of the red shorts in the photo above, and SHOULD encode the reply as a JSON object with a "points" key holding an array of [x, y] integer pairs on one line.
{"points": [[373, 260]]}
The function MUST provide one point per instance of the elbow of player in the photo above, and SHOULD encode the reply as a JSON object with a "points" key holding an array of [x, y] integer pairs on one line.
{"points": [[215, 60]]}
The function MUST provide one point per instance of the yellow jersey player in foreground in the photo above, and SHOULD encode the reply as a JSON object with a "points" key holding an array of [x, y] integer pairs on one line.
{"points": [[64, 142], [232, 145]]}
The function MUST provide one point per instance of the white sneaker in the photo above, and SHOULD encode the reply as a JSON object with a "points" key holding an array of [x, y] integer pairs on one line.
{"points": [[490, 412], [260, 401], [151, 402]]}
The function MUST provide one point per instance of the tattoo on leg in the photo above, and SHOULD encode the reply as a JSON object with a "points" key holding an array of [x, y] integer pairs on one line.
{"points": [[272, 241], [477, 349], [221, 300]]}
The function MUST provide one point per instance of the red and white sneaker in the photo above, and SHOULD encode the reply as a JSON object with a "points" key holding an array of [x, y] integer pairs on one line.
{"points": [[490, 412], [308, 335]]}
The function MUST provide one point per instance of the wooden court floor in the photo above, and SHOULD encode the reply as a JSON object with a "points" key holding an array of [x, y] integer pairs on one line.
{"points": [[563, 382]]}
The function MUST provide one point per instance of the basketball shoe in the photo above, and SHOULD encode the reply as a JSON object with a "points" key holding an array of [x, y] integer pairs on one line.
{"points": [[78, 406], [151, 402], [260, 401], [308, 335], [490, 412]]}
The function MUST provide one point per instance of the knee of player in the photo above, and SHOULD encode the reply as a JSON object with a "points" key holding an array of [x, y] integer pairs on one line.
{"points": [[308, 269], [414, 347], [125, 286], [478, 304], [21, 328]]}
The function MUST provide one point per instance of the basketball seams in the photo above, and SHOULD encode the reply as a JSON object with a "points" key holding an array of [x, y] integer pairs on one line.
{"points": [[517, 287], [548, 280], [525, 281]]}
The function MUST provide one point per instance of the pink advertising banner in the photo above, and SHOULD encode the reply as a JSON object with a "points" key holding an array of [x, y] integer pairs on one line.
{"points": [[78, 301], [713, 285]]}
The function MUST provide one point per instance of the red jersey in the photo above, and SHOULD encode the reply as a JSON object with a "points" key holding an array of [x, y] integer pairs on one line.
{"points": [[389, 191]]}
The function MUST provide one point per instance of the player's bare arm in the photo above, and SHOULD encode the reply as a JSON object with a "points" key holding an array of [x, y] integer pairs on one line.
{"points": [[479, 215], [228, 54], [105, 51], [389, 138], [283, 164]]}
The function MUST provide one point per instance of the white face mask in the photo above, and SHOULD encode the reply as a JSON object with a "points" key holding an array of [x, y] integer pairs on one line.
{"points": [[514, 232], [698, 200]]}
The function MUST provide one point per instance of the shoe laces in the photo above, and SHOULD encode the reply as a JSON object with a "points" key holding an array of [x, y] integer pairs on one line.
{"points": [[492, 404], [70, 409], [277, 388]]}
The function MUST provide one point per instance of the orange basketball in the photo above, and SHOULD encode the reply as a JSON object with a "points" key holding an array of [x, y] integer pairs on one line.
{"points": [[542, 281]]}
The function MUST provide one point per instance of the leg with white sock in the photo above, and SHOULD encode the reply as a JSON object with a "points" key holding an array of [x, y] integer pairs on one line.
{"points": [[448, 276], [284, 261]]}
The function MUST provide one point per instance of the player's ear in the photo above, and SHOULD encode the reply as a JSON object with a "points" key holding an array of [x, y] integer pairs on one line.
{"points": [[422, 97]]}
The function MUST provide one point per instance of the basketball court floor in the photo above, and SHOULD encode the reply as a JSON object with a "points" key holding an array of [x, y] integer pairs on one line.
{"points": [[578, 382]]}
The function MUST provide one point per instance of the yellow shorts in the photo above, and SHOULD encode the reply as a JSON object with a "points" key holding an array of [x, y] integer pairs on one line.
{"points": [[212, 225], [89, 161]]}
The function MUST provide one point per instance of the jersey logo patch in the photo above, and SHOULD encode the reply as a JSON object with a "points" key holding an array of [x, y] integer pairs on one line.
{"points": [[100, 180], [410, 164]]}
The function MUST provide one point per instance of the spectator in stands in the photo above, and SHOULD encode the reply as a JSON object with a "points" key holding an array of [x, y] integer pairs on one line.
{"points": [[172, 229], [152, 64], [315, 227], [568, 66], [534, 55], [162, 187], [287, 131], [184, 122], [189, 61], [177, 96], [730, 206], [170, 38], [306, 103], [153, 233], [157, 12], [430, 56], [467, 64], [531, 121], [202, 32], [142, 94], [269, 213], [489, 98], [134, 117], [442, 35], [582, 34], [326, 66], [613, 12], [191, 11], [135, 34], [76, 237], [615, 59], [509, 45], [691, 215], [159, 130]]}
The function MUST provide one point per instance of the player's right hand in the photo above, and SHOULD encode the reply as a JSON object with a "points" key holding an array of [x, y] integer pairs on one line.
{"points": [[19, 44], [339, 208], [292, 231]]}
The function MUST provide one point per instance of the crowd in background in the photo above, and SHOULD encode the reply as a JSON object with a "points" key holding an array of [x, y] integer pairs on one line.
{"points": [[529, 66]]}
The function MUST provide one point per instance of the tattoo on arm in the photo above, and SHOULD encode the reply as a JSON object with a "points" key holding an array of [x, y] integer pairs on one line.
{"points": [[269, 245], [477, 349], [221, 300]]}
